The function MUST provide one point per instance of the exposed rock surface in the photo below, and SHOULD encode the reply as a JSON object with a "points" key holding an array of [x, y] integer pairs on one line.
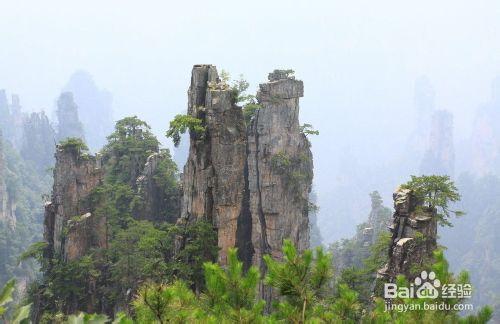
{"points": [[252, 182], [279, 170], [214, 178], [440, 155], [414, 232], [75, 175], [69, 124]]}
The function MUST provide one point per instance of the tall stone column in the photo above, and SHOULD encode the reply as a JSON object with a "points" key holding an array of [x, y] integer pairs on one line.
{"points": [[280, 171], [213, 179]]}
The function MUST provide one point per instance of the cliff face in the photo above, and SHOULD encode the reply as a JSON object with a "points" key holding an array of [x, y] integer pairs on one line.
{"points": [[75, 175], [414, 232], [279, 169], [440, 155], [214, 179], [67, 116], [252, 182]]}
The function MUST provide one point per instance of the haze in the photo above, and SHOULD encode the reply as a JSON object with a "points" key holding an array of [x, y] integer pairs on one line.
{"points": [[358, 59]]}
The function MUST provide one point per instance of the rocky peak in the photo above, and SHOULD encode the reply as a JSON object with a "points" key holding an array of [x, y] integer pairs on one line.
{"points": [[75, 176], [279, 171], [252, 182], [414, 233], [214, 177], [67, 115]]}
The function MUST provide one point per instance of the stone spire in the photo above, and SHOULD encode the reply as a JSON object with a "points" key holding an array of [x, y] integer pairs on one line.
{"points": [[67, 116], [214, 177], [414, 233], [280, 170]]}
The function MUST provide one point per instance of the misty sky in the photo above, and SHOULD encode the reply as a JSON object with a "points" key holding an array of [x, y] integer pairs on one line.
{"points": [[358, 60]]}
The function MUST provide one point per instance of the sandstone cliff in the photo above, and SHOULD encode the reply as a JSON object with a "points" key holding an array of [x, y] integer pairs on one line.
{"points": [[279, 169], [214, 178], [70, 229], [252, 181], [414, 233]]}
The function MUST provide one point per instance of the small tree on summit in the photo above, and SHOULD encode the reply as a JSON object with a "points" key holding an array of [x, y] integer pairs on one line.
{"points": [[436, 192]]}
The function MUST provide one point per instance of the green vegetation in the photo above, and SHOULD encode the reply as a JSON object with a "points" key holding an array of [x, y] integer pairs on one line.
{"points": [[292, 169], [307, 129], [25, 187], [138, 249], [21, 314], [303, 283], [436, 192], [74, 144], [181, 123], [127, 150], [422, 315]]}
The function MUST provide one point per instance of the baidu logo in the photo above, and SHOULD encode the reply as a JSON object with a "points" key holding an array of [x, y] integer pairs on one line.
{"points": [[427, 286]]}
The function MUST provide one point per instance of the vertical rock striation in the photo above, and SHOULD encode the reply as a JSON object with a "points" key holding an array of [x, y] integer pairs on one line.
{"points": [[414, 233], [279, 169], [253, 182], [75, 176], [213, 180]]}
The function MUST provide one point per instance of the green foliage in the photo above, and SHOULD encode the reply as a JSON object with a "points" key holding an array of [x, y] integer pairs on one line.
{"points": [[83, 318], [307, 129], [301, 280], [127, 150], [240, 96], [181, 123], [230, 294], [74, 144], [293, 170], [421, 315], [25, 187], [174, 303], [249, 111], [436, 192], [6, 295], [35, 251], [21, 315]]}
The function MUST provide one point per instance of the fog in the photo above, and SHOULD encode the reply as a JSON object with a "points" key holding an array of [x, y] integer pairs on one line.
{"points": [[359, 61]]}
